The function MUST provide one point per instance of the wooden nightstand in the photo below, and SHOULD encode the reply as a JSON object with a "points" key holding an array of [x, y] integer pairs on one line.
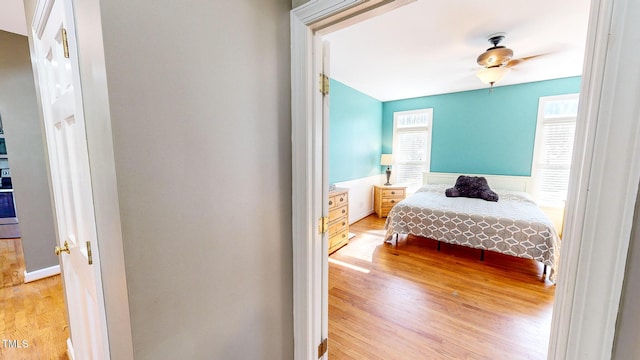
{"points": [[338, 219], [385, 197]]}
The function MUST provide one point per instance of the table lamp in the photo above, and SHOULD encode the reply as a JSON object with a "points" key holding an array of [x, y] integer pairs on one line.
{"points": [[387, 159]]}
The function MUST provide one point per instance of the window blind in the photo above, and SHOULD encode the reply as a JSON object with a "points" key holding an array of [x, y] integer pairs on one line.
{"points": [[411, 148], [555, 161], [411, 156], [554, 150]]}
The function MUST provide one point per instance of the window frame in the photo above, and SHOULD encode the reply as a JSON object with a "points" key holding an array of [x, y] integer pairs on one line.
{"points": [[429, 130], [538, 143]]}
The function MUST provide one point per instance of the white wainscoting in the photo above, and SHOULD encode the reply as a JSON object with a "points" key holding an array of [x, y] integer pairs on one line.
{"points": [[361, 195]]}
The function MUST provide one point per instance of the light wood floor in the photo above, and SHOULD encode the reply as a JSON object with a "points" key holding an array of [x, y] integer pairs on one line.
{"points": [[33, 314], [413, 302]]}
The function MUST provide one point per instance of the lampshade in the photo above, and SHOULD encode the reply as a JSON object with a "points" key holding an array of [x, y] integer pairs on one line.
{"points": [[492, 75], [386, 159]]}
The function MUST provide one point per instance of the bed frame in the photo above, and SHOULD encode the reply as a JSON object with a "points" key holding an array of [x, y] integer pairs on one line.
{"points": [[503, 182]]}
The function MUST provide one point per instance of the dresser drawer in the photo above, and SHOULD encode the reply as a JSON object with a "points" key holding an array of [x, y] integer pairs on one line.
{"points": [[338, 212], [338, 225], [338, 240], [338, 200], [338, 231]]}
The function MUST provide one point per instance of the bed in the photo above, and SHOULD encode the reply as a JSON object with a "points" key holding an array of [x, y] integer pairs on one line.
{"points": [[514, 225]]}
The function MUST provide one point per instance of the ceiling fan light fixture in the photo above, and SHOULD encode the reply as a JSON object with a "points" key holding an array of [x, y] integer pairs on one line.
{"points": [[491, 75], [495, 56]]}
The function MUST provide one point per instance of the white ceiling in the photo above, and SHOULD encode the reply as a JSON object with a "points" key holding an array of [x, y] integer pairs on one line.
{"points": [[430, 47], [12, 17]]}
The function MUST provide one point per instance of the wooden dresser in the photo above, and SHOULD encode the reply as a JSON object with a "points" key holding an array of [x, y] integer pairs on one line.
{"points": [[385, 197], [338, 219]]}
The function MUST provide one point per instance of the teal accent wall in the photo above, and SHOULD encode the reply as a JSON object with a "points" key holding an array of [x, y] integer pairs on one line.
{"points": [[355, 130], [481, 132]]}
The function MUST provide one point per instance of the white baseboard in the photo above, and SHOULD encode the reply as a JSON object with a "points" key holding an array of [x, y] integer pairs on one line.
{"points": [[70, 353], [41, 274], [360, 216]]}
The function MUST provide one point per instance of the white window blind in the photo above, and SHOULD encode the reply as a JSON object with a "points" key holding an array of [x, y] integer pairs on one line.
{"points": [[554, 148], [411, 145]]}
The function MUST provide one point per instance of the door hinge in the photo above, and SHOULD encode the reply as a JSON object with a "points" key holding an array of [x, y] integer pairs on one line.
{"points": [[323, 224], [89, 255], [65, 43], [324, 84], [322, 348]]}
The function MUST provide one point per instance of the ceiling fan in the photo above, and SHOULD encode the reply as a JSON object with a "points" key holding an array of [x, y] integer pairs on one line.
{"points": [[497, 60]]}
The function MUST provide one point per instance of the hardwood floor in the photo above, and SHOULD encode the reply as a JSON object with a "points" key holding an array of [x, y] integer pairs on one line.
{"points": [[413, 302], [11, 262], [33, 322]]}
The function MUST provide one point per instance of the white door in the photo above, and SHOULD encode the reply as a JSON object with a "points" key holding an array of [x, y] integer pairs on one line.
{"points": [[58, 77]]}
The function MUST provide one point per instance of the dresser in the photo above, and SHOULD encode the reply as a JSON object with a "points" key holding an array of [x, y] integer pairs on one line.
{"points": [[385, 197], [338, 219]]}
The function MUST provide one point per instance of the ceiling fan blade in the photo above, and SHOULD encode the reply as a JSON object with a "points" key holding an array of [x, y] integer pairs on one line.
{"points": [[515, 62]]}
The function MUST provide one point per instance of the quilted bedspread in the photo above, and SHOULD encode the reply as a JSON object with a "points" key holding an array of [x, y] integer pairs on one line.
{"points": [[514, 225]]}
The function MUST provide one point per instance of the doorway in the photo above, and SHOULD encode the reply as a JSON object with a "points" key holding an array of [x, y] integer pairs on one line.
{"points": [[447, 108], [579, 200]]}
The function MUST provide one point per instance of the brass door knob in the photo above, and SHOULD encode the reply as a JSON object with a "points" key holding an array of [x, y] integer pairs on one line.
{"points": [[64, 248]]}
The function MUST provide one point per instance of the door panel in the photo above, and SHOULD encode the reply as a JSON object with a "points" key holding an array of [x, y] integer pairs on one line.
{"points": [[57, 69]]}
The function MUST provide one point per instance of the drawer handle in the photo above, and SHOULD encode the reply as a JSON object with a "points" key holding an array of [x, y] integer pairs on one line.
{"points": [[341, 199], [393, 193], [344, 223], [393, 201], [330, 202], [344, 211], [344, 235]]}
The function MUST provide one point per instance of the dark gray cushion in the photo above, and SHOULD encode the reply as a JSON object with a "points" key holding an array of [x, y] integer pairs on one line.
{"points": [[472, 187]]}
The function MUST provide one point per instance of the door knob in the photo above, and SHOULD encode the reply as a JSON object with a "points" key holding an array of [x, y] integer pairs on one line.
{"points": [[64, 248]]}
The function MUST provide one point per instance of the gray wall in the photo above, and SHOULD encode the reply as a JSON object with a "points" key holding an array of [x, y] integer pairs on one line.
{"points": [[627, 343], [198, 104], [297, 3], [21, 120]]}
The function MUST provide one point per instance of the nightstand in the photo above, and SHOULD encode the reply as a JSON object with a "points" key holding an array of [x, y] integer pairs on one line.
{"points": [[385, 197]]}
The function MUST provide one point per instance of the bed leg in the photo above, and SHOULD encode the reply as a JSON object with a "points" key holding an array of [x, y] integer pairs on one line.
{"points": [[439, 245], [544, 271], [397, 237], [481, 255]]}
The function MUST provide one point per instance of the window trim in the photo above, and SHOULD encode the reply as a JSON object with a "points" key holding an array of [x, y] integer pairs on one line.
{"points": [[428, 127]]}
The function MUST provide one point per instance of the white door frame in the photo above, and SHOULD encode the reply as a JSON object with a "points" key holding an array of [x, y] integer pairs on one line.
{"points": [[600, 204], [603, 187]]}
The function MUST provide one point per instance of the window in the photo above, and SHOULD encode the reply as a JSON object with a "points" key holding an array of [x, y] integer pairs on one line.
{"points": [[554, 148], [411, 145]]}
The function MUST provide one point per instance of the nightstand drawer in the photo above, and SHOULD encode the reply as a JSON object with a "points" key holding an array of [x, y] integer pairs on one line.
{"points": [[390, 202], [385, 197], [389, 193]]}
